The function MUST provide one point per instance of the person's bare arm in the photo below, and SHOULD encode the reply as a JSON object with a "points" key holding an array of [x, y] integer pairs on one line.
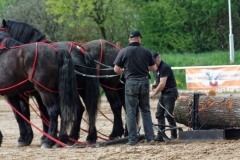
{"points": [[118, 69], [154, 85], [160, 87]]}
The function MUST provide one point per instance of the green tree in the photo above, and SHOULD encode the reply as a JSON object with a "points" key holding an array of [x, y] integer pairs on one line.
{"points": [[81, 11], [187, 25], [33, 12], [113, 18], [180, 26], [5, 3]]}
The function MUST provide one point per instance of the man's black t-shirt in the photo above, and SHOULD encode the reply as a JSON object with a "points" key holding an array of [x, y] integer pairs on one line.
{"points": [[135, 60], [164, 70]]}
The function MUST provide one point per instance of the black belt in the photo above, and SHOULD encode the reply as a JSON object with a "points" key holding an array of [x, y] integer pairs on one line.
{"points": [[136, 77], [169, 89]]}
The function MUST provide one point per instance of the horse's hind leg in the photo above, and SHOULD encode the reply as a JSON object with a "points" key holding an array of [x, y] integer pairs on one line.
{"points": [[25, 129], [75, 130], [92, 133], [116, 106], [44, 116]]}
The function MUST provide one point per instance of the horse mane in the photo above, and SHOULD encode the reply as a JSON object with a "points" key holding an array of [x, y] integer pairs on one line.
{"points": [[9, 42], [12, 42], [21, 32]]}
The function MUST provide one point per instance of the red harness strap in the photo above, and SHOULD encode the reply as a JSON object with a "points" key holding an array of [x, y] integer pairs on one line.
{"points": [[101, 55], [31, 76], [33, 70], [3, 29], [2, 44]]}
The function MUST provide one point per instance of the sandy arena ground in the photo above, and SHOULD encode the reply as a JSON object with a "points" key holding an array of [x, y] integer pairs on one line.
{"points": [[211, 150]]}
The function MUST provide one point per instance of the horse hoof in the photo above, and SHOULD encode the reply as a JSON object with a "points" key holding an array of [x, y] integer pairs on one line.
{"points": [[41, 142], [46, 145], [70, 143], [22, 144], [89, 144], [57, 146]]}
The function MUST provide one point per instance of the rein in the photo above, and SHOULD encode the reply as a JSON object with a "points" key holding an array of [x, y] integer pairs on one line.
{"points": [[109, 68], [93, 76]]}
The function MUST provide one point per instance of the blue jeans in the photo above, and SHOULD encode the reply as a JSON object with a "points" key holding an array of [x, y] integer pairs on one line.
{"points": [[167, 100], [137, 95]]}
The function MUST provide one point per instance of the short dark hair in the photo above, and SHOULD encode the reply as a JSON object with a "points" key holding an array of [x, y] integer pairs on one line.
{"points": [[154, 54]]}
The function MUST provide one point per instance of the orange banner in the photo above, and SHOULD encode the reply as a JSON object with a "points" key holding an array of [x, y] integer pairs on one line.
{"points": [[219, 79]]}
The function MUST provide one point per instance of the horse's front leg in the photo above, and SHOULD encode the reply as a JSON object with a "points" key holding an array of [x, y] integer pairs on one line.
{"points": [[92, 131], [50, 100], [24, 103], [25, 129]]}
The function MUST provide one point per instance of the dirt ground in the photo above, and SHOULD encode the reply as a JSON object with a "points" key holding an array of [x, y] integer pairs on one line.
{"points": [[211, 150]]}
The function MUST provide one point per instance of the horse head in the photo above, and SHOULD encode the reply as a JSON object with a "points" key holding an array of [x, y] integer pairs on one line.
{"points": [[22, 32]]}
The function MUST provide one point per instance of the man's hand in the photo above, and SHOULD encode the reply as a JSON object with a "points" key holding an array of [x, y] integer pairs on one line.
{"points": [[151, 94], [152, 86], [122, 70]]}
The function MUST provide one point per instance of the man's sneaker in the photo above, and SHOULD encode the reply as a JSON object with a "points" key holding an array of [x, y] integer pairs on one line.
{"points": [[131, 144], [158, 138], [151, 142]]}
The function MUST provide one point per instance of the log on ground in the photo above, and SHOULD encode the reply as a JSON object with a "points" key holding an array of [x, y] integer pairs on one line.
{"points": [[223, 110]]}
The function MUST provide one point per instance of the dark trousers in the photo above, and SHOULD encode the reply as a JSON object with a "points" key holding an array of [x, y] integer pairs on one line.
{"points": [[137, 95], [167, 100]]}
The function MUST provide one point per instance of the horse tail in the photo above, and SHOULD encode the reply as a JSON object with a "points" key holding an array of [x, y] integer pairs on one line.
{"points": [[67, 89], [1, 137], [92, 92]]}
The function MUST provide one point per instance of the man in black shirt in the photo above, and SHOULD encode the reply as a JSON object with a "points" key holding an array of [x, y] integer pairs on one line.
{"points": [[136, 61], [166, 84]]}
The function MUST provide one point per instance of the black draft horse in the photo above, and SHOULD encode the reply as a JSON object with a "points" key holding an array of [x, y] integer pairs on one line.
{"points": [[49, 71], [88, 87], [103, 51], [88, 90]]}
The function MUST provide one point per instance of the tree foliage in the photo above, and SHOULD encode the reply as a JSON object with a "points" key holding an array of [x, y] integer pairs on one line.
{"points": [[180, 26], [166, 25], [33, 12]]}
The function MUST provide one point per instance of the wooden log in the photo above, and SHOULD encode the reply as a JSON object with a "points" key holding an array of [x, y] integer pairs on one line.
{"points": [[224, 111]]}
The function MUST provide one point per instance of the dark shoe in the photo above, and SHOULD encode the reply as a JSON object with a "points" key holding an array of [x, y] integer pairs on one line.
{"points": [[158, 138], [131, 144], [150, 142], [173, 137]]}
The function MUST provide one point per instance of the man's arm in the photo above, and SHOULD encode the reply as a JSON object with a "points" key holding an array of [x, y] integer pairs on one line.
{"points": [[152, 68], [154, 85], [118, 69], [160, 87]]}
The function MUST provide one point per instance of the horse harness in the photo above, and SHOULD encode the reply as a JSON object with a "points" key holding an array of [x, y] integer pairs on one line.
{"points": [[3, 48]]}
